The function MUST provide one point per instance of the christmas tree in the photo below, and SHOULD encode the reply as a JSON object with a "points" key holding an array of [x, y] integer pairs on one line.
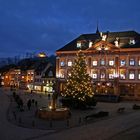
{"points": [[79, 86]]}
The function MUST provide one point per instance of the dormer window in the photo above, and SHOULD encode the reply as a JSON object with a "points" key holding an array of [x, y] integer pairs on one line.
{"points": [[79, 44], [90, 44], [116, 42], [132, 41], [104, 37], [50, 74]]}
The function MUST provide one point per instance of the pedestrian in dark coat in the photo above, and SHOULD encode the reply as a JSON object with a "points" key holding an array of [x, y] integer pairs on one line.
{"points": [[29, 104]]}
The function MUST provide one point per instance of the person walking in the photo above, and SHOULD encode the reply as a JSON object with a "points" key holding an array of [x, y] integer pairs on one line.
{"points": [[29, 104]]}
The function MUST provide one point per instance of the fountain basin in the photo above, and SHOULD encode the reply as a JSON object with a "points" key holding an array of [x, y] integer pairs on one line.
{"points": [[57, 114]]}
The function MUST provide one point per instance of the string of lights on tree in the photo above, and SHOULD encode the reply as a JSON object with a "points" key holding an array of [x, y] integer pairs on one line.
{"points": [[79, 85]]}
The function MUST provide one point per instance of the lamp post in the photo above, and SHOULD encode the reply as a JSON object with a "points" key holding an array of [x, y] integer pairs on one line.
{"points": [[116, 76], [54, 98]]}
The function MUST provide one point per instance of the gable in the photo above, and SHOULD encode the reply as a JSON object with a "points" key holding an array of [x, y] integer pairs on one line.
{"points": [[103, 45]]}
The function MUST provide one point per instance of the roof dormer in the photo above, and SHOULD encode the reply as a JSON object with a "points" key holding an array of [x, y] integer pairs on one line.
{"points": [[116, 42], [90, 44], [132, 41], [79, 44], [104, 37]]}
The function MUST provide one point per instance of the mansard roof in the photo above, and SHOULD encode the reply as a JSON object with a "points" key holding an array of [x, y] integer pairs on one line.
{"points": [[122, 37]]}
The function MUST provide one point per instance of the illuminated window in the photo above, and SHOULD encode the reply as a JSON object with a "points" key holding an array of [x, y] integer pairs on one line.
{"points": [[122, 62], [94, 75], [102, 76], [69, 74], [90, 44], [132, 41], [86, 62], [139, 75], [131, 75], [94, 63], [78, 44], [62, 74], [132, 62], [69, 63], [102, 62], [111, 62], [139, 62], [111, 74], [62, 63], [122, 74]]}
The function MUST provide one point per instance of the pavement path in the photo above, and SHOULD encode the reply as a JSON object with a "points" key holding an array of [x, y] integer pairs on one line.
{"points": [[125, 126], [9, 131]]}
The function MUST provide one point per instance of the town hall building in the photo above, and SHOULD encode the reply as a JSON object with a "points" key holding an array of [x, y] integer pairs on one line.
{"points": [[112, 59]]}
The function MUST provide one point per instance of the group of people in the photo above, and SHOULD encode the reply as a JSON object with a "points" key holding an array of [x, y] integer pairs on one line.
{"points": [[31, 102], [19, 101]]}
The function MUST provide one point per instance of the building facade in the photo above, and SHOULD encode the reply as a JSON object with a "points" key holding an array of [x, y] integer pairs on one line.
{"points": [[32, 74], [112, 58]]}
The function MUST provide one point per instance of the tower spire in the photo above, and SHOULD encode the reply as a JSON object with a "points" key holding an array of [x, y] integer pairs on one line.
{"points": [[97, 29]]}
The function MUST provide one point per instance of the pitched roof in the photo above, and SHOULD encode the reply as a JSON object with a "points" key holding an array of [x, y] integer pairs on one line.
{"points": [[123, 38], [49, 73]]}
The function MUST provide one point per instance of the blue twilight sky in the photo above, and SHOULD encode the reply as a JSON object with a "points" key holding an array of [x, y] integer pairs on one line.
{"points": [[47, 25]]}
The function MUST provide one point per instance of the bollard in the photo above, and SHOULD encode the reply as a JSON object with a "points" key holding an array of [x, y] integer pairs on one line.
{"points": [[80, 120], [15, 116], [33, 123], [19, 120], [68, 123], [51, 124]]}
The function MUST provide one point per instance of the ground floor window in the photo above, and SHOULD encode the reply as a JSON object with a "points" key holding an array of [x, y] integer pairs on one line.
{"points": [[139, 75], [131, 75], [122, 74]]}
